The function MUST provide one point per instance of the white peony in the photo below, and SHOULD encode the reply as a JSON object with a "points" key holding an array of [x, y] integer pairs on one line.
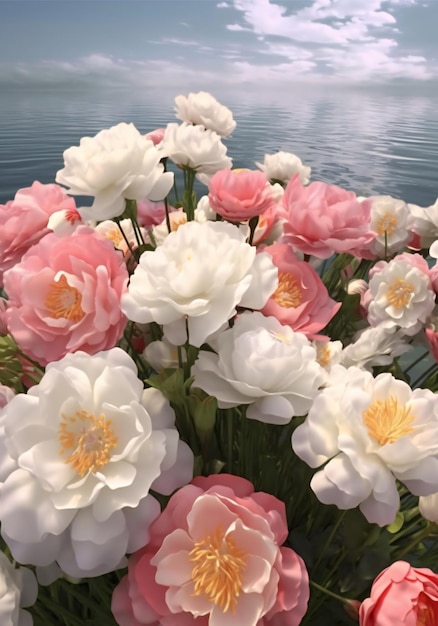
{"points": [[18, 588], [202, 108], [373, 346], [78, 490], [400, 294], [261, 363], [198, 276], [282, 166], [392, 222], [195, 147], [116, 164], [425, 222], [111, 230], [367, 433]]}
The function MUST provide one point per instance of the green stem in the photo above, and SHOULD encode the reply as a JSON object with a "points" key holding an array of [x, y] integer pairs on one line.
{"points": [[414, 543], [335, 596], [330, 538]]}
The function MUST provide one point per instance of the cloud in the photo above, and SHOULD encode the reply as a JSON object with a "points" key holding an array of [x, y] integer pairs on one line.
{"points": [[347, 39], [222, 5]]}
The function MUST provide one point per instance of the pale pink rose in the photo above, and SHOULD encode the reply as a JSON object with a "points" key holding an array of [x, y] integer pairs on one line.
{"points": [[258, 583], [301, 299], [23, 221], [322, 219], [65, 295], [402, 595], [156, 136], [238, 195]]}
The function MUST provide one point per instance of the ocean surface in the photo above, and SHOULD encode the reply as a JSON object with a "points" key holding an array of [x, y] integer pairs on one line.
{"points": [[372, 143]]}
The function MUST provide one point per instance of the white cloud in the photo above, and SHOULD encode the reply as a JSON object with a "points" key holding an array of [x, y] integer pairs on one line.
{"points": [[222, 5], [353, 39]]}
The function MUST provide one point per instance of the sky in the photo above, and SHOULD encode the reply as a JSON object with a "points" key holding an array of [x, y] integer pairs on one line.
{"points": [[204, 43]]}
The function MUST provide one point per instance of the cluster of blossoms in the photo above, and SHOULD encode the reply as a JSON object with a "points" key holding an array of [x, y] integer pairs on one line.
{"points": [[167, 368]]}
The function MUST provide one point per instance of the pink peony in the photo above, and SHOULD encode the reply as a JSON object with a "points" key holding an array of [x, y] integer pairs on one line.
{"points": [[23, 221], [322, 219], [301, 299], [174, 580], [402, 595], [65, 295], [238, 195]]}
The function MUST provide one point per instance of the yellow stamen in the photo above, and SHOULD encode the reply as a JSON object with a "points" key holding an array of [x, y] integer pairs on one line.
{"points": [[288, 293], [399, 293], [323, 355], [62, 300], [91, 439], [387, 420], [177, 220], [386, 224], [218, 568], [115, 236]]}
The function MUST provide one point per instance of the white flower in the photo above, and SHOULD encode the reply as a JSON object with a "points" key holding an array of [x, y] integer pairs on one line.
{"points": [[391, 220], [203, 211], [111, 230], [6, 395], [264, 364], [425, 222], [161, 354], [400, 294], [18, 588], [373, 346], [428, 506], [371, 432], [328, 353], [115, 164], [195, 147], [97, 443], [202, 108], [199, 274], [282, 166]]}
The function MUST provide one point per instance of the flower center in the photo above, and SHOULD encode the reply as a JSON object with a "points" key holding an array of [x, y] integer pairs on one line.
{"points": [[217, 572], [323, 355], [425, 616], [288, 293], [90, 438], [387, 421], [177, 220], [62, 300], [399, 293], [386, 224], [115, 236]]}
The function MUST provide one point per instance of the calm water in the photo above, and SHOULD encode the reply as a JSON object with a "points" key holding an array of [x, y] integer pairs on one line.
{"points": [[371, 143]]}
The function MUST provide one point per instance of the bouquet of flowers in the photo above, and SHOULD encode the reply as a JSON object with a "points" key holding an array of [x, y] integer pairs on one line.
{"points": [[218, 391]]}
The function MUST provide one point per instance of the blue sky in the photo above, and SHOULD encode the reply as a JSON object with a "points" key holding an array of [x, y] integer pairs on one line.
{"points": [[206, 43]]}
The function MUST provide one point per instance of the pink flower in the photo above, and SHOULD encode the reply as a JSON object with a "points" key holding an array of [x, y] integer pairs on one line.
{"points": [[432, 339], [301, 299], [156, 136], [402, 595], [151, 214], [23, 221], [173, 581], [238, 195], [322, 219], [65, 296]]}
